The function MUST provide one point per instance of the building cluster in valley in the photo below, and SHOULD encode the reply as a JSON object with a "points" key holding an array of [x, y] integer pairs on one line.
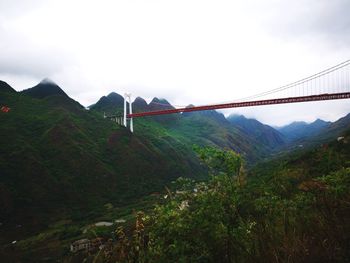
{"points": [[87, 245]]}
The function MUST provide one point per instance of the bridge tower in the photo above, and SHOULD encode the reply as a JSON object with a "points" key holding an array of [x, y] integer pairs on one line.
{"points": [[131, 124]]}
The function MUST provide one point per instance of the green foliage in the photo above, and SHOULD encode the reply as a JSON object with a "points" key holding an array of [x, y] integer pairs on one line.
{"points": [[275, 217], [227, 162], [99, 231], [70, 231], [337, 183], [58, 159]]}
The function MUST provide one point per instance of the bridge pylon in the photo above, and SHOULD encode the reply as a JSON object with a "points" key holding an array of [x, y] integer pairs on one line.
{"points": [[131, 124]]}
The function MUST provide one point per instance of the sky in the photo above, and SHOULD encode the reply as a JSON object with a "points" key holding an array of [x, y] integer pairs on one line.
{"points": [[187, 51]]}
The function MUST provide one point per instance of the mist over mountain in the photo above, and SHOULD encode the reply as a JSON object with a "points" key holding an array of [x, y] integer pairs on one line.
{"points": [[44, 89]]}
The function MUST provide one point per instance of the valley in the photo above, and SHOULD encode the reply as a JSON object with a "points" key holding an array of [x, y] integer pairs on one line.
{"points": [[64, 167]]}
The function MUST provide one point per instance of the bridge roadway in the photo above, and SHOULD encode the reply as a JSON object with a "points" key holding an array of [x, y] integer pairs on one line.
{"points": [[332, 96]]}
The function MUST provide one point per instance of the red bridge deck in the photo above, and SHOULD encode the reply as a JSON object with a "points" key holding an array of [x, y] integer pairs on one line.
{"points": [[333, 96]]}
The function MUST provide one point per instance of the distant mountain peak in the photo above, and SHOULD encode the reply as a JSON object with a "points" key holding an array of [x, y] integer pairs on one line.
{"points": [[114, 94], [241, 118], [190, 106], [160, 101], [140, 104], [115, 98], [298, 123], [320, 121], [301, 129], [47, 81], [236, 117], [109, 103], [159, 104], [44, 89], [139, 100]]}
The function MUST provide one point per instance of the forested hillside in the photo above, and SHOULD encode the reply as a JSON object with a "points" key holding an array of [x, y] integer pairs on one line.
{"points": [[291, 210], [64, 167], [200, 128], [57, 157]]}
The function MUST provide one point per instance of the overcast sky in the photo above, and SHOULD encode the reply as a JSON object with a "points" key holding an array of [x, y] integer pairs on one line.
{"points": [[189, 52]]}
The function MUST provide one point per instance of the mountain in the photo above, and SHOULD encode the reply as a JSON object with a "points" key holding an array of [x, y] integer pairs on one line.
{"points": [[339, 126], [61, 162], [211, 114], [114, 101], [162, 104], [159, 104], [112, 104], [58, 159], [140, 105], [211, 128], [265, 134], [109, 103], [44, 89], [330, 132], [299, 130], [4, 87], [49, 91], [201, 128]]}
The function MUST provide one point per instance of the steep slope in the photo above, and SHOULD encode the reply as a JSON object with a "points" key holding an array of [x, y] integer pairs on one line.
{"points": [[59, 159], [338, 127], [265, 134], [201, 128], [4, 87], [210, 128], [53, 94], [330, 132], [310, 162]]}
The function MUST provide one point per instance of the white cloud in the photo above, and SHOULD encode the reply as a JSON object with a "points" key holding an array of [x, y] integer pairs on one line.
{"points": [[190, 52]]}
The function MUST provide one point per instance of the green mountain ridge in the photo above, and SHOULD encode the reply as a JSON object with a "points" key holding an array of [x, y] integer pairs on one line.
{"points": [[57, 156], [66, 156], [201, 128], [44, 89], [330, 132], [4, 87], [60, 161]]}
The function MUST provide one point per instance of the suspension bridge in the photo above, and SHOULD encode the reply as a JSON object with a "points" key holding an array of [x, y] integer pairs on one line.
{"points": [[330, 84]]}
